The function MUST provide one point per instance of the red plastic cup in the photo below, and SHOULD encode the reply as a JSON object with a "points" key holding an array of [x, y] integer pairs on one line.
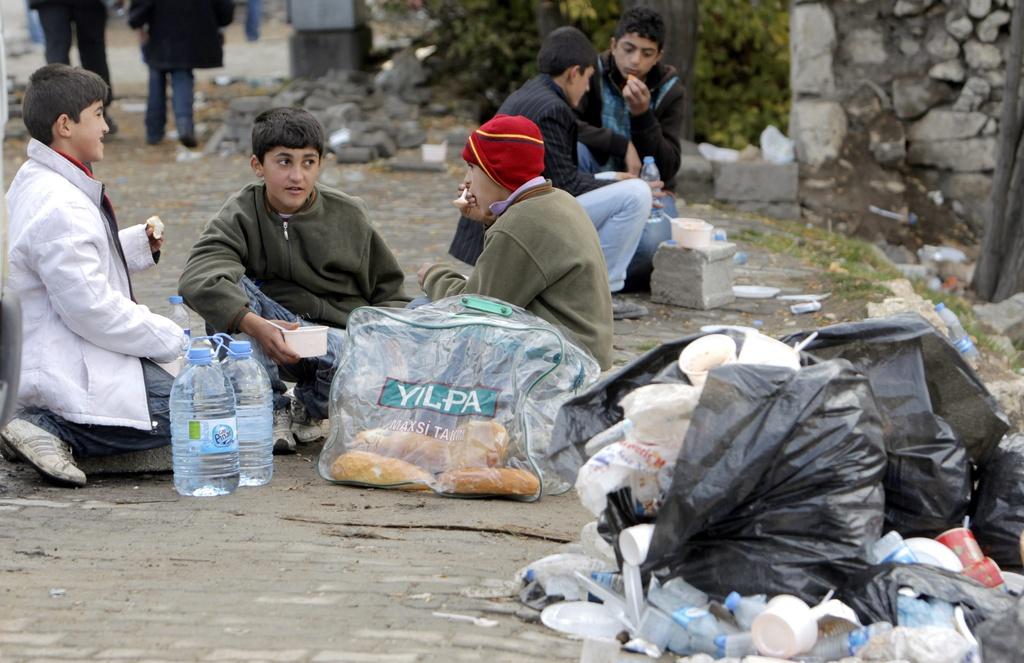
{"points": [[986, 572], [962, 542]]}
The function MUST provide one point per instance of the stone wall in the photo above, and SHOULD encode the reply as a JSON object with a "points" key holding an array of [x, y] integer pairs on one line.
{"points": [[921, 79]]}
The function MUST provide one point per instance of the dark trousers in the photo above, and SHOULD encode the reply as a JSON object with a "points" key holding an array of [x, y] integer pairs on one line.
{"points": [[90, 32]]}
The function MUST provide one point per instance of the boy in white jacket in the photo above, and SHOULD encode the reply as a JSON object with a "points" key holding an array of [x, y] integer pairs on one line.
{"points": [[89, 384]]}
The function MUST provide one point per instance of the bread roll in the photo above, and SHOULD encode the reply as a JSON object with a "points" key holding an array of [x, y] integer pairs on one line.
{"points": [[476, 444], [488, 481], [376, 470]]}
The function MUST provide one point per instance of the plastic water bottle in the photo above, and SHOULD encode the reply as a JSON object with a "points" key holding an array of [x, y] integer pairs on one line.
{"points": [[203, 441], [891, 549], [848, 644], [675, 594], [254, 414], [745, 608], [649, 173], [957, 335], [179, 314], [736, 645]]}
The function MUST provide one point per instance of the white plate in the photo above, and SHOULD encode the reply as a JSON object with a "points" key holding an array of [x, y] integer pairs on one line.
{"points": [[582, 618], [933, 553], [754, 291]]}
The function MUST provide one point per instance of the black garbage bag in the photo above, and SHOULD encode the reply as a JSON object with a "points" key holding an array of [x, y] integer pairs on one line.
{"points": [[872, 593], [1002, 637], [999, 504], [938, 416], [778, 486]]}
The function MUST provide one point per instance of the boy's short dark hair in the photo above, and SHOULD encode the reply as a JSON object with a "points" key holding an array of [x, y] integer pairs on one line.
{"points": [[55, 90], [286, 127], [643, 21], [564, 48]]}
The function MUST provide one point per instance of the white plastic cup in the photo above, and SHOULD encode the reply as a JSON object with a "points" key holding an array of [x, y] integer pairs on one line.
{"points": [[692, 233], [786, 628], [760, 349], [308, 341], [634, 542], [704, 354]]}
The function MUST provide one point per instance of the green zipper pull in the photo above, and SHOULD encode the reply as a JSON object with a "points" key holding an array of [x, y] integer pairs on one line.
{"points": [[486, 306]]}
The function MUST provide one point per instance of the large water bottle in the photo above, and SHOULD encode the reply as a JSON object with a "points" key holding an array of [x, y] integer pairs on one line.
{"points": [[649, 173], [848, 644], [203, 441], [179, 314], [254, 414], [957, 335], [745, 608]]}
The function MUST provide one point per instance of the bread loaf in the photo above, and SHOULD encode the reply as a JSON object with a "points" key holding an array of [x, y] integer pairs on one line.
{"points": [[376, 470], [474, 444], [488, 481]]}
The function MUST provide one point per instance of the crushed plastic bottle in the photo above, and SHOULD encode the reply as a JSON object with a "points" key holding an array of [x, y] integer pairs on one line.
{"points": [[891, 548], [745, 608], [735, 645], [958, 336], [848, 644], [675, 594]]}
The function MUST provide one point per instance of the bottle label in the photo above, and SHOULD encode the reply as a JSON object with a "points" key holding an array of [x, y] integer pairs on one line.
{"points": [[212, 436], [964, 344]]}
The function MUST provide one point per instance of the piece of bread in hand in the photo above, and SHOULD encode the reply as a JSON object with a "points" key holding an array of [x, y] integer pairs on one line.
{"points": [[505, 481], [375, 470]]}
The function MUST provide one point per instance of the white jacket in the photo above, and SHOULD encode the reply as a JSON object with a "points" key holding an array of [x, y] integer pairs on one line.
{"points": [[83, 335]]}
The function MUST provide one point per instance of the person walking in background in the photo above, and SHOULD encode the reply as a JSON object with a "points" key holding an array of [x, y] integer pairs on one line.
{"points": [[89, 18], [253, 14], [35, 28], [177, 36]]}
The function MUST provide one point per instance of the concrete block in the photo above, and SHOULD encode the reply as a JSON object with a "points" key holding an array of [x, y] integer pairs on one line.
{"points": [[417, 165], [757, 181], [775, 210], [378, 140], [1005, 317], [353, 154], [693, 278], [313, 54]]}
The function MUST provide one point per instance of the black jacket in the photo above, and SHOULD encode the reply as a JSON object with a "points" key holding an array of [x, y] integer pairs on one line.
{"points": [[654, 133], [183, 34]]}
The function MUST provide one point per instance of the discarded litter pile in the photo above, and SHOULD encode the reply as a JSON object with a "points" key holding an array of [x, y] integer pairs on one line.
{"points": [[742, 488], [478, 425]]}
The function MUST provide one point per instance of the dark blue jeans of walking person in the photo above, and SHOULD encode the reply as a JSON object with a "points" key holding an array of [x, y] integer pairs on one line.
{"points": [[253, 12], [313, 375], [182, 87], [93, 440]]}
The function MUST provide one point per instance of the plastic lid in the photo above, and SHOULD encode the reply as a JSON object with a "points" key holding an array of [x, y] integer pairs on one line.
{"points": [[200, 355], [648, 159], [530, 575], [176, 299], [939, 306], [671, 242], [239, 349], [732, 601]]}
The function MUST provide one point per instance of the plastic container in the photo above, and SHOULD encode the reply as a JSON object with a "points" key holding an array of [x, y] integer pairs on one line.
{"points": [[692, 233], [700, 624], [746, 608], [957, 335], [706, 353], [962, 542], [634, 543], [203, 440], [254, 414], [786, 628], [736, 645], [675, 595], [848, 644], [649, 173], [805, 307], [179, 314], [891, 549], [760, 349], [310, 341]]}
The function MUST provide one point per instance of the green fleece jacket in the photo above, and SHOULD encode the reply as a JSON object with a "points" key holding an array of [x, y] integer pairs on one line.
{"points": [[543, 255], [320, 264]]}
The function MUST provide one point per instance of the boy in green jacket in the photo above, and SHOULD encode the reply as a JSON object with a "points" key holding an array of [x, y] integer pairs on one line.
{"points": [[541, 252], [287, 250]]}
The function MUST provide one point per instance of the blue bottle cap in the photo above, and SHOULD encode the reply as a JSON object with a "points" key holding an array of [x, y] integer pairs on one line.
{"points": [[529, 575], [648, 159], [200, 355], [671, 242], [240, 349], [939, 307], [732, 601], [720, 641], [176, 299]]}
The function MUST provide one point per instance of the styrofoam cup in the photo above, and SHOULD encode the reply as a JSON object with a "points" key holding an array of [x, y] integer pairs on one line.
{"points": [[705, 353], [786, 628], [308, 341], [692, 233], [760, 349], [634, 542]]}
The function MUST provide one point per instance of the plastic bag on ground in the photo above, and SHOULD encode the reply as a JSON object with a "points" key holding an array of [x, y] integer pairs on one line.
{"points": [[931, 644], [999, 504], [775, 146], [938, 416], [457, 397]]}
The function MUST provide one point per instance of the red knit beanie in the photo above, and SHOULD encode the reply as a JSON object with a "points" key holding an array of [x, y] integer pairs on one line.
{"points": [[509, 148]]}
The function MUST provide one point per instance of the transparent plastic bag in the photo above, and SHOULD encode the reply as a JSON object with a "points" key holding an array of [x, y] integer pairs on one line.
{"points": [[457, 397]]}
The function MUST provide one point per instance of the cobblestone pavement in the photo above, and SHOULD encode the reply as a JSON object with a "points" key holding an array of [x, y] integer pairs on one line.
{"points": [[300, 570]]}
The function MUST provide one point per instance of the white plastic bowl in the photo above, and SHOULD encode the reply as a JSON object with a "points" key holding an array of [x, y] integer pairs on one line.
{"points": [[692, 233], [705, 353], [307, 341]]}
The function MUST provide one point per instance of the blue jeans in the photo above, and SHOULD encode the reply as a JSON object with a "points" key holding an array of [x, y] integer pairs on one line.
{"points": [[252, 19], [182, 85], [312, 375], [619, 212], [93, 440], [35, 26]]}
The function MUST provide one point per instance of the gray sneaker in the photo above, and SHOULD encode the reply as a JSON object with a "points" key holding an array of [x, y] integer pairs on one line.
{"points": [[305, 428], [284, 440], [50, 455], [624, 309]]}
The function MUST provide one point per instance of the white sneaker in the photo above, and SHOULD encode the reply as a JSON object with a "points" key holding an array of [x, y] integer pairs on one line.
{"points": [[50, 455], [284, 440], [305, 428]]}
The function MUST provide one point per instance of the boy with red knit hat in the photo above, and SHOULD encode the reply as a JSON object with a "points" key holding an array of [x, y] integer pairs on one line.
{"points": [[555, 270]]}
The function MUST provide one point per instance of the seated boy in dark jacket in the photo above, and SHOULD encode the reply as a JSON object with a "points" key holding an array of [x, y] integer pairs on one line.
{"points": [[284, 250], [541, 252]]}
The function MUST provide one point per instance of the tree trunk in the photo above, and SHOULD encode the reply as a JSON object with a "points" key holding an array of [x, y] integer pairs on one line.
{"points": [[1000, 269], [681, 20], [548, 17]]}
